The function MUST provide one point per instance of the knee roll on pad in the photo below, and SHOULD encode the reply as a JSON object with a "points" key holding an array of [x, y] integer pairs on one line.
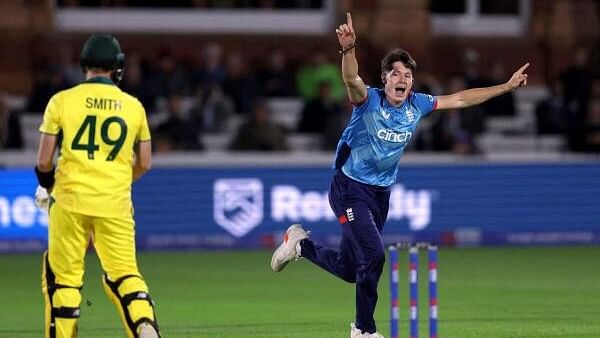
{"points": [[130, 295], [62, 304]]}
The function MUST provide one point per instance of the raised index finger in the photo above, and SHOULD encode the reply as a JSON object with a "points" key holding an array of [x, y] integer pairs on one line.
{"points": [[349, 19], [522, 69]]}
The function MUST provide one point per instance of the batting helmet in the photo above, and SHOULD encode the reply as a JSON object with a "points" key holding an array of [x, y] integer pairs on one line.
{"points": [[103, 51]]}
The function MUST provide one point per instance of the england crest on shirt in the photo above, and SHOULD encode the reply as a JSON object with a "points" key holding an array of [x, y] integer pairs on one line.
{"points": [[238, 204], [410, 115]]}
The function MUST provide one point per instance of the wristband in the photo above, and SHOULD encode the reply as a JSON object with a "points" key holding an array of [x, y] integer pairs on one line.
{"points": [[344, 51], [46, 179]]}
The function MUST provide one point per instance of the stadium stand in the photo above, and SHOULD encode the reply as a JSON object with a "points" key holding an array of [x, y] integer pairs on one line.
{"points": [[179, 59]]}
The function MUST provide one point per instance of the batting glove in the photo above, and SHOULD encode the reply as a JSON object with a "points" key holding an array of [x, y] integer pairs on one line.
{"points": [[42, 199]]}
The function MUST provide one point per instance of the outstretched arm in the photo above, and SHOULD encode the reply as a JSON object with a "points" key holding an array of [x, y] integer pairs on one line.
{"points": [[357, 91], [475, 96]]}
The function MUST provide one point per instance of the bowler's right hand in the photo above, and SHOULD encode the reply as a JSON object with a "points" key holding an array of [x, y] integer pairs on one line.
{"points": [[345, 33]]}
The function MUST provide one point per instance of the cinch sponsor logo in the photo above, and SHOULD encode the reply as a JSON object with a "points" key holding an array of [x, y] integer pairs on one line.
{"points": [[21, 212], [290, 204], [392, 136]]}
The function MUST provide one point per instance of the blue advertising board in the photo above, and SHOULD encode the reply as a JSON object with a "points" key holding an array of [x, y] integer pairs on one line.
{"points": [[23, 227], [476, 204]]}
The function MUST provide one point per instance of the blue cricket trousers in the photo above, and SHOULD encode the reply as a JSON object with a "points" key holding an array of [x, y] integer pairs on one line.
{"points": [[361, 210]]}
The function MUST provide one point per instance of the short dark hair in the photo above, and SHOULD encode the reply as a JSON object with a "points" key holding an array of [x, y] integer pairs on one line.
{"points": [[399, 54]]}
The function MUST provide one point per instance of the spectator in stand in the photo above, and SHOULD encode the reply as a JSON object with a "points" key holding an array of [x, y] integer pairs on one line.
{"points": [[320, 69], [552, 113], [503, 105], [576, 81], [240, 84], [593, 119], [428, 83], [472, 71], [171, 75], [11, 136], [448, 135], [212, 109], [276, 78], [472, 119], [177, 132], [335, 126], [68, 65], [47, 82], [137, 83], [209, 67], [473, 78], [260, 133], [318, 112], [456, 131]]}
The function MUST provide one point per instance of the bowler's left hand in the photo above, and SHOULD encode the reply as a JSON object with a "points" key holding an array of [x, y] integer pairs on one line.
{"points": [[519, 78]]}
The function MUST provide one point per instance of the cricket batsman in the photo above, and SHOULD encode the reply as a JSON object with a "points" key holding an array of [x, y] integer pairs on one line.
{"points": [[103, 143]]}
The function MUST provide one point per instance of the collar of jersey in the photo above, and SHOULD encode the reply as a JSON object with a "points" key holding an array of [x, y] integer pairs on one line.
{"points": [[387, 105], [100, 79]]}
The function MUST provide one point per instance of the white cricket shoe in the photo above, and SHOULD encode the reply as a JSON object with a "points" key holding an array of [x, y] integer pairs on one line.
{"points": [[290, 248], [145, 330], [354, 332]]}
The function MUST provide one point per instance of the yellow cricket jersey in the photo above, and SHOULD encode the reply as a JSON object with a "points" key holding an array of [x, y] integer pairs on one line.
{"points": [[100, 124]]}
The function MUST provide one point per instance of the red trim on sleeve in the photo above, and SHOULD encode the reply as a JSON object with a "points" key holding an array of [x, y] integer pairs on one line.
{"points": [[343, 219], [434, 104]]}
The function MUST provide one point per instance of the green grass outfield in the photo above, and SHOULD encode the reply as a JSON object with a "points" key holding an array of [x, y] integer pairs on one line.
{"points": [[492, 292]]}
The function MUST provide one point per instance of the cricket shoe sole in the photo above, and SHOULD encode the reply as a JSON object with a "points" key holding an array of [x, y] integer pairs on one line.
{"points": [[290, 248]]}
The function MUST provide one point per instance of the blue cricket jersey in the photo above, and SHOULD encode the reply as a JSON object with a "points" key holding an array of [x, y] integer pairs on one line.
{"points": [[370, 148]]}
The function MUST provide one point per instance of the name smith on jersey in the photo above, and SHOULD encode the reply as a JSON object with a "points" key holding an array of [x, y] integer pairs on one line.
{"points": [[101, 103]]}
